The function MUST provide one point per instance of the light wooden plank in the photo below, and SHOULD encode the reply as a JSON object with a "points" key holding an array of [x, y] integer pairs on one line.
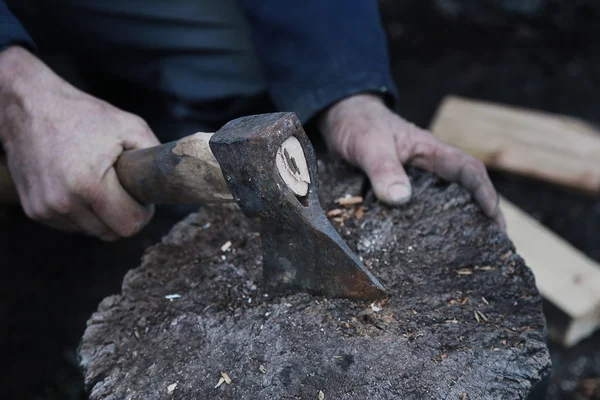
{"points": [[555, 148], [564, 275]]}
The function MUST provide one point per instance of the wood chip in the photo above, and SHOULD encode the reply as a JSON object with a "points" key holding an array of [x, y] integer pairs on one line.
{"points": [[349, 201], [479, 316], [321, 395], [171, 388], [338, 219], [482, 315], [226, 377], [137, 335], [464, 271], [262, 369], [221, 381], [486, 268], [359, 213], [485, 301], [226, 246], [335, 212]]}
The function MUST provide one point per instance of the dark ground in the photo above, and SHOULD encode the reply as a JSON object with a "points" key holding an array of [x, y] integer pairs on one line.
{"points": [[540, 54]]}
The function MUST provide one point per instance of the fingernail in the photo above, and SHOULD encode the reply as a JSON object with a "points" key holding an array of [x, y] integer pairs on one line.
{"points": [[399, 193]]}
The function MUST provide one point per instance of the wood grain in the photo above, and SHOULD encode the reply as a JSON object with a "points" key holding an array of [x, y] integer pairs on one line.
{"points": [[555, 148], [181, 172], [564, 275]]}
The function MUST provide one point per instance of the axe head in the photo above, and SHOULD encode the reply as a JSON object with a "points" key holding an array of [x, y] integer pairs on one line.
{"points": [[302, 251]]}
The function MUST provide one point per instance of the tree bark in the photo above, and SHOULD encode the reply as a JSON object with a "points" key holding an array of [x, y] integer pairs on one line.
{"points": [[464, 320]]}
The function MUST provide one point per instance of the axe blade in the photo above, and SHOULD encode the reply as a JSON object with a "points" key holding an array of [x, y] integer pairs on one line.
{"points": [[302, 251]]}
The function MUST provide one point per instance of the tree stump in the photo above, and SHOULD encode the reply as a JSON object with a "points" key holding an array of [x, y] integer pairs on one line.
{"points": [[464, 320]]}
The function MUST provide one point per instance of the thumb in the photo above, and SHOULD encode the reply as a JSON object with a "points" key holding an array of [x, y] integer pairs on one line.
{"points": [[388, 178], [140, 135]]}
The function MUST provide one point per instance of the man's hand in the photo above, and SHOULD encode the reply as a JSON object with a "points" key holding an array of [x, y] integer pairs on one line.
{"points": [[61, 145], [367, 134]]}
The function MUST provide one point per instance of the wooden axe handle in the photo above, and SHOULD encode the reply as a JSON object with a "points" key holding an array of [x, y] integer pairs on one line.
{"points": [[187, 172], [179, 172], [183, 172]]}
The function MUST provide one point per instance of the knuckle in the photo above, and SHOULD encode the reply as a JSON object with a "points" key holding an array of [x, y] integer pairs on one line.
{"points": [[413, 131], [132, 225], [137, 132], [83, 188], [58, 203], [130, 229], [30, 212], [40, 213], [475, 167], [473, 173], [384, 166], [141, 123], [137, 122]]}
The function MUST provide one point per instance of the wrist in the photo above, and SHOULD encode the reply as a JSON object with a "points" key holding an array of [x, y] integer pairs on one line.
{"points": [[24, 79], [14, 62]]}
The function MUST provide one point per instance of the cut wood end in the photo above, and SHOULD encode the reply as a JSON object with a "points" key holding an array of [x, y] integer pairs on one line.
{"points": [[226, 377], [292, 166]]}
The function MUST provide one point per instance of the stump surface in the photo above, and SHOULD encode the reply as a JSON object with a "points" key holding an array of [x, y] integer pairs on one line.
{"points": [[464, 320]]}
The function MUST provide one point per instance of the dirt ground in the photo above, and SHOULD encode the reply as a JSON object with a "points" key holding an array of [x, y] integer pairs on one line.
{"points": [[52, 282]]}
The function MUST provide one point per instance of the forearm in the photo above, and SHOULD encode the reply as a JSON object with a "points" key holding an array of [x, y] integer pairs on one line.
{"points": [[11, 74], [316, 53], [15, 60], [22, 78]]}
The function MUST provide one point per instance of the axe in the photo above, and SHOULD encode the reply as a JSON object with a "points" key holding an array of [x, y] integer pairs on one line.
{"points": [[266, 164]]}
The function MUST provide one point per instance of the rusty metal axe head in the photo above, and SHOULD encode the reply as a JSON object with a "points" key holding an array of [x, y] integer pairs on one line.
{"points": [[270, 167]]}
